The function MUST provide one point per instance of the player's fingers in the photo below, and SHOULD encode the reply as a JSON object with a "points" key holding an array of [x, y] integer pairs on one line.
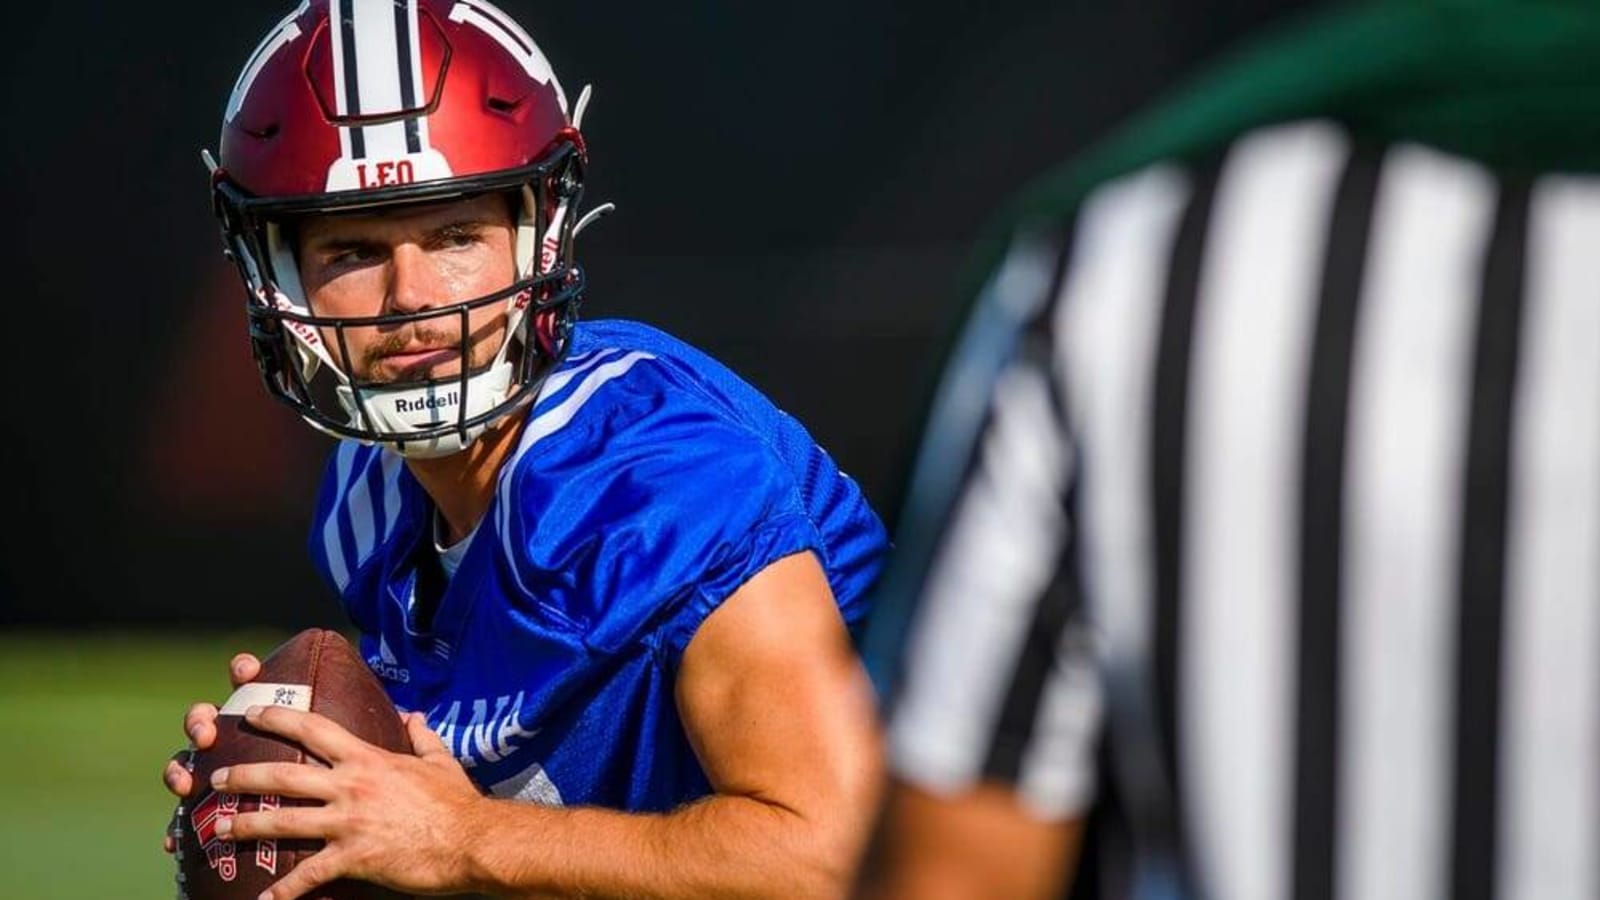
{"points": [[424, 741], [168, 844], [289, 779], [322, 867], [176, 775], [313, 731], [200, 724], [242, 668], [287, 822]]}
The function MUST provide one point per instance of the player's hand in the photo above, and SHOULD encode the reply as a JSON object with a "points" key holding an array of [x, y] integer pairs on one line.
{"points": [[200, 725], [390, 818]]}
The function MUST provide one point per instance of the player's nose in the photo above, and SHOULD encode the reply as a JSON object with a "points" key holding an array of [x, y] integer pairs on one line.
{"points": [[413, 284]]}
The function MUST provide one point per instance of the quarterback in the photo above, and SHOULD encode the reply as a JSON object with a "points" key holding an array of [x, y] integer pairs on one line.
{"points": [[611, 584]]}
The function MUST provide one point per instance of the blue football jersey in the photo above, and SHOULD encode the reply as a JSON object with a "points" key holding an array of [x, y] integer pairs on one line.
{"points": [[649, 483]]}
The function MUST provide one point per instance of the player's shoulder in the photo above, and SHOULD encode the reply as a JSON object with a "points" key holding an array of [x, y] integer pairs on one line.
{"points": [[598, 334], [675, 365], [636, 475], [631, 400], [623, 384]]}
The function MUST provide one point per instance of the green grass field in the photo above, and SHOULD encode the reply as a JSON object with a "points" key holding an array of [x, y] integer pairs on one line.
{"points": [[86, 723]]}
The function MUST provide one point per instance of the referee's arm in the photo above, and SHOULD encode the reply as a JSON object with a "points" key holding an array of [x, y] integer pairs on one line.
{"points": [[979, 843], [995, 704]]}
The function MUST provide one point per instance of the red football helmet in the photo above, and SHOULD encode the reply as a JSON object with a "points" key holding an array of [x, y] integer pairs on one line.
{"points": [[361, 104]]}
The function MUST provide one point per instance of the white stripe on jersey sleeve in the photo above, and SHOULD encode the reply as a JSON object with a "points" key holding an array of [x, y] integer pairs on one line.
{"points": [[1259, 286], [557, 418], [548, 423], [1410, 387], [576, 366], [573, 367], [393, 464], [332, 543], [363, 518], [1550, 730]]}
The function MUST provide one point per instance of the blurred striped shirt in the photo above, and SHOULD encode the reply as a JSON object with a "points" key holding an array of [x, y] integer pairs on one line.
{"points": [[1279, 525]]}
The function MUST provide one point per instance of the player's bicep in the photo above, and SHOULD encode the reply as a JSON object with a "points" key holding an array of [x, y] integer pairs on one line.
{"points": [[774, 700]]}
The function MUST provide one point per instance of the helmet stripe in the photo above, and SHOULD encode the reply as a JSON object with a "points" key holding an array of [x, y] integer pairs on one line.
{"points": [[288, 29], [511, 28], [382, 57], [512, 38], [347, 80], [404, 15], [413, 34], [378, 72]]}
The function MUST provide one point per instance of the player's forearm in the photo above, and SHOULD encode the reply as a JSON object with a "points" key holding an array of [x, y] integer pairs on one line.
{"points": [[724, 846]]}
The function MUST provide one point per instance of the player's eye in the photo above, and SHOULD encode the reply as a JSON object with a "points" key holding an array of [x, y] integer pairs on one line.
{"points": [[458, 238], [351, 256]]}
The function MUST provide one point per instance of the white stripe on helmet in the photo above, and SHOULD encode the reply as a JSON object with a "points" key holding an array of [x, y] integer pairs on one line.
{"points": [[509, 35], [377, 64], [285, 32]]}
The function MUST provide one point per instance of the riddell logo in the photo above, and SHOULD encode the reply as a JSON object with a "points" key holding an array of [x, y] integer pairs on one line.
{"points": [[422, 404], [385, 666]]}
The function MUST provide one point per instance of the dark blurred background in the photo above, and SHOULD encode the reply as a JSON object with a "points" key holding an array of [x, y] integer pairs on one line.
{"points": [[797, 184]]}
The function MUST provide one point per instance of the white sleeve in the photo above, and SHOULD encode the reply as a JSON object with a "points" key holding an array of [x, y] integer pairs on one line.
{"points": [[998, 681]]}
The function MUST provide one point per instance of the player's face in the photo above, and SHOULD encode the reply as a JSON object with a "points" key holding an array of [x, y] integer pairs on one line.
{"points": [[409, 260]]}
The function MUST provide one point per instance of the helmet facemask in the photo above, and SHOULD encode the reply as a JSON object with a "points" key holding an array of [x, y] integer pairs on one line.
{"points": [[418, 418], [363, 106]]}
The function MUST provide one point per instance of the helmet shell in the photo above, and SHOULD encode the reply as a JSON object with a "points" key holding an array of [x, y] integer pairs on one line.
{"points": [[367, 95]]}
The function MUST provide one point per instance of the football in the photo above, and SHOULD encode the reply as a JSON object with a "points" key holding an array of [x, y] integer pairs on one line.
{"points": [[316, 670]]}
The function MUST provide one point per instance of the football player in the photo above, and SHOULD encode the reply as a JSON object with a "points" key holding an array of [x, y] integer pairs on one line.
{"points": [[604, 576]]}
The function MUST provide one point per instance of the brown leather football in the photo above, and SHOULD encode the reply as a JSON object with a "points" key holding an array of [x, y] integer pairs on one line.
{"points": [[316, 670]]}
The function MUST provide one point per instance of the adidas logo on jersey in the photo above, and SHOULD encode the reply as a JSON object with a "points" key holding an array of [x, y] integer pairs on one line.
{"points": [[386, 666]]}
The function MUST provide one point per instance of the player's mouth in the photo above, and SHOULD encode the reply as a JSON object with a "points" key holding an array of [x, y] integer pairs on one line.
{"points": [[417, 363]]}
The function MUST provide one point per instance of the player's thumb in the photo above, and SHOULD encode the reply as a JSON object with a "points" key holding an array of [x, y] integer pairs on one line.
{"points": [[243, 668], [424, 742]]}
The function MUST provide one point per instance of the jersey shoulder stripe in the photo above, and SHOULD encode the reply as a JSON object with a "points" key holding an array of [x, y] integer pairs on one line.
{"points": [[360, 511]]}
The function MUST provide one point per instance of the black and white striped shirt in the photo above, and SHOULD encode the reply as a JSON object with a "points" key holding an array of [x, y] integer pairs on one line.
{"points": [[1290, 489]]}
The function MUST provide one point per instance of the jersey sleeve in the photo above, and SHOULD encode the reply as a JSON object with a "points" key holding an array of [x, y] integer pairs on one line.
{"points": [[989, 662], [650, 535], [357, 511]]}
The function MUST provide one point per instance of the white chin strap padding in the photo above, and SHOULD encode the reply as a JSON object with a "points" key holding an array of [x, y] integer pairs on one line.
{"points": [[397, 412]]}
